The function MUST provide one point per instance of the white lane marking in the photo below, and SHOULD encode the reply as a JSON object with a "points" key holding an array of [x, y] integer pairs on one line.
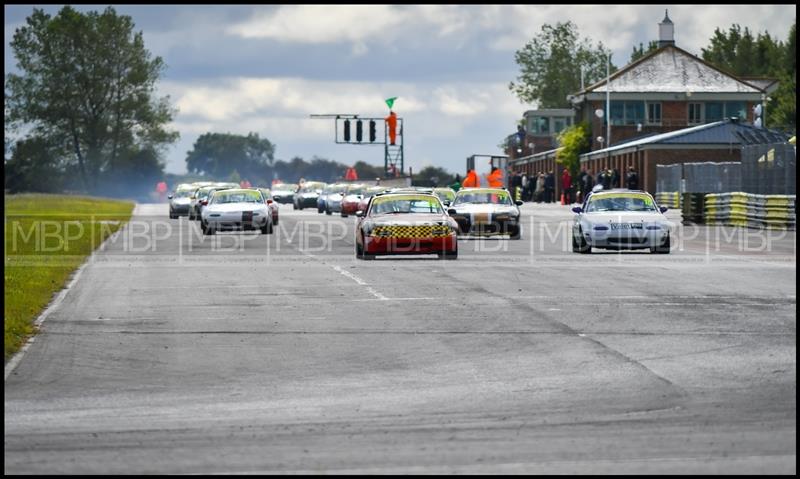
{"points": [[359, 281], [15, 360], [349, 275]]}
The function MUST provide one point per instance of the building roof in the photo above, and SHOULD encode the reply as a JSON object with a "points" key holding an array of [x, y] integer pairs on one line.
{"points": [[672, 69], [537, 156], [720, 132], [550, 112]]}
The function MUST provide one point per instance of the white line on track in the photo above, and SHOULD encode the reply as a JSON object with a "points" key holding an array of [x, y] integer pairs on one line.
{"points": [[14, 361]]}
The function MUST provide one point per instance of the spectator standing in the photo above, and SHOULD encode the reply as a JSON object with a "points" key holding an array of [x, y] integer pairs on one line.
{"points": [[549, 187], [632, 179], [588, 183], [539, 188], [566, 186]]}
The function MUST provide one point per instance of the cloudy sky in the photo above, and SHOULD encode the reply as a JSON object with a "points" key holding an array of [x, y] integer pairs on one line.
{"points": [[265, 69]]}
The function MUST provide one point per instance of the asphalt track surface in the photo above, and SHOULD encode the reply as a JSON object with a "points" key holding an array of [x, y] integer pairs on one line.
{"points": [[247, 353]]}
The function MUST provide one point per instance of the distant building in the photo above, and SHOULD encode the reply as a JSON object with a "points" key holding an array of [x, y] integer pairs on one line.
{"points": [[666, 90], [721, 141]]}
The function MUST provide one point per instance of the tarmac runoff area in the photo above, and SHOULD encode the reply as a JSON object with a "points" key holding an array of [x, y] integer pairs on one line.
{"points": [[250, 353]]}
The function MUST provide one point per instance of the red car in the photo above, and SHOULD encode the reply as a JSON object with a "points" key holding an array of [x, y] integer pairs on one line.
{"points": [[405, 223], [351, 197], [273, 206]]}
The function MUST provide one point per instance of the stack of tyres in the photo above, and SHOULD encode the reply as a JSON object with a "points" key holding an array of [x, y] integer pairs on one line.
{"points": [[751, 210], [694, 208], [670, 199]]}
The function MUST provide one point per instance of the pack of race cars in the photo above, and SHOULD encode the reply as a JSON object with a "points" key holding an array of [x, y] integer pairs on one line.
{"points": [[416, 220]]}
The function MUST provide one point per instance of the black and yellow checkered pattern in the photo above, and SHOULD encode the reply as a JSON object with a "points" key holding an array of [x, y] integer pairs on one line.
{"points": [[418, 231]]}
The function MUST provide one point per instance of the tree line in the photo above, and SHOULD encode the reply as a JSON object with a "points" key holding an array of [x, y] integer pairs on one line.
{"points": [[84, 104]]}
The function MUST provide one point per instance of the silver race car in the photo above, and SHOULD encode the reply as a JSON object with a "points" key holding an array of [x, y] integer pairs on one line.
{"points": [[620, 219], [236, 209], [486, 211]]}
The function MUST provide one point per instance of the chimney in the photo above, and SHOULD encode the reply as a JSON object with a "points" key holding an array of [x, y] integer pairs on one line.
{"points": [[666, 31]]}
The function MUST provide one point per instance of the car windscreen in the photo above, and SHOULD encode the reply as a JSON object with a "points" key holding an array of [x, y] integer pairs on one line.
{"points": [[446, 194], [183, 194], [223, 197], [620, 202], [355, 191], [312, 187], [405, 204], [483, 197]]}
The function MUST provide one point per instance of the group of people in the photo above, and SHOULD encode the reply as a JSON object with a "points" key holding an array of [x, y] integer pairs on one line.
{"points": [[541, 187]]}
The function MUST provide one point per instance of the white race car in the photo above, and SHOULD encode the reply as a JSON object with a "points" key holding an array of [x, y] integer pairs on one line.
{"points": [[620, 219], [486, 211], [236, 209]]}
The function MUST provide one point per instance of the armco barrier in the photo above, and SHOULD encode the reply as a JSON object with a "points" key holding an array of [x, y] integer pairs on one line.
{"points": [[670, 199], [751, 210]]}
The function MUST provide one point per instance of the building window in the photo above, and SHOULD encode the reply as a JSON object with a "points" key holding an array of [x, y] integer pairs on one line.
{"points": [[654, 113], [627, 112], [540, 125], [735, 108], [559, 124], [695, 113], [713, 111]]}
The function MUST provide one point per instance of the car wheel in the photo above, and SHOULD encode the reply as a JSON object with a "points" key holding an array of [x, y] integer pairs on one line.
{"points": [[516, 233], [294, 206], [580, 246], [327, 211], [172, 215], [663, 249], [343, 215], [275, 221], [449, 255], [208, 231]]}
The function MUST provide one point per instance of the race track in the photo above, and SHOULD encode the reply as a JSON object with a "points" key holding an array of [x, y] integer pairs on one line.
{"points": [[249, 353]]}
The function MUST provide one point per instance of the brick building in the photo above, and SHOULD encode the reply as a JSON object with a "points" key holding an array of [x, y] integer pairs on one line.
{"points": [[720, 141]]}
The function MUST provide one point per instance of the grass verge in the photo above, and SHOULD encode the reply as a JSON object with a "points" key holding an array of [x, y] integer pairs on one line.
{"points": [[47, 237]]}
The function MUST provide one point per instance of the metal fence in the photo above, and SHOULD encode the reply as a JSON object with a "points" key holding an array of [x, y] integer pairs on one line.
{"points": [[769, 169], [668, 178], [709, 177]]}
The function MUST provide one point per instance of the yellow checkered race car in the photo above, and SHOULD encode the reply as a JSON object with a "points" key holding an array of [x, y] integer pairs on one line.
{"points": [[405, 223]]}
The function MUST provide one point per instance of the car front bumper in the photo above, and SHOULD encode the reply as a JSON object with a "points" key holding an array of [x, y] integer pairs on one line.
{"points": [[625, 239], [391, 245]]}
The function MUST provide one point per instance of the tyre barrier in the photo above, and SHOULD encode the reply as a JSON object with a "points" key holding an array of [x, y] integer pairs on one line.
{"points": [[670, 199], [751, 210], [693, 208]]}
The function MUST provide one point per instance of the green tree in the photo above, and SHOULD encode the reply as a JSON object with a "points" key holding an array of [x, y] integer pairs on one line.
{"points": [[34, 166], [574, 142], [219, 154], [639, 52], [86, 79], [737, 52], [550, 65], [431, 175]]}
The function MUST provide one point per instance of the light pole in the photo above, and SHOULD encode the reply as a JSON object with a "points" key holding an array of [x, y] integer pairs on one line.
{"points": [[608, 99]]}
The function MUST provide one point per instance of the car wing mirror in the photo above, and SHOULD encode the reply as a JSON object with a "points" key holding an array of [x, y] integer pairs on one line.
{"points": [[204, 202], [518, 203], [663, 209], [269, 201], [360, 213], [169, 197], [451, 211], [446, 203], [577, 209]]}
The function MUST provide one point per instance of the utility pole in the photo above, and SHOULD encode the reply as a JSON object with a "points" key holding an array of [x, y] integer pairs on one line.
{"points": [[608, 99]]}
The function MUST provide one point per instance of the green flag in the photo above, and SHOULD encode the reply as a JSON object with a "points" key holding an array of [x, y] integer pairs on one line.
{"points": [[390, 101]]}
